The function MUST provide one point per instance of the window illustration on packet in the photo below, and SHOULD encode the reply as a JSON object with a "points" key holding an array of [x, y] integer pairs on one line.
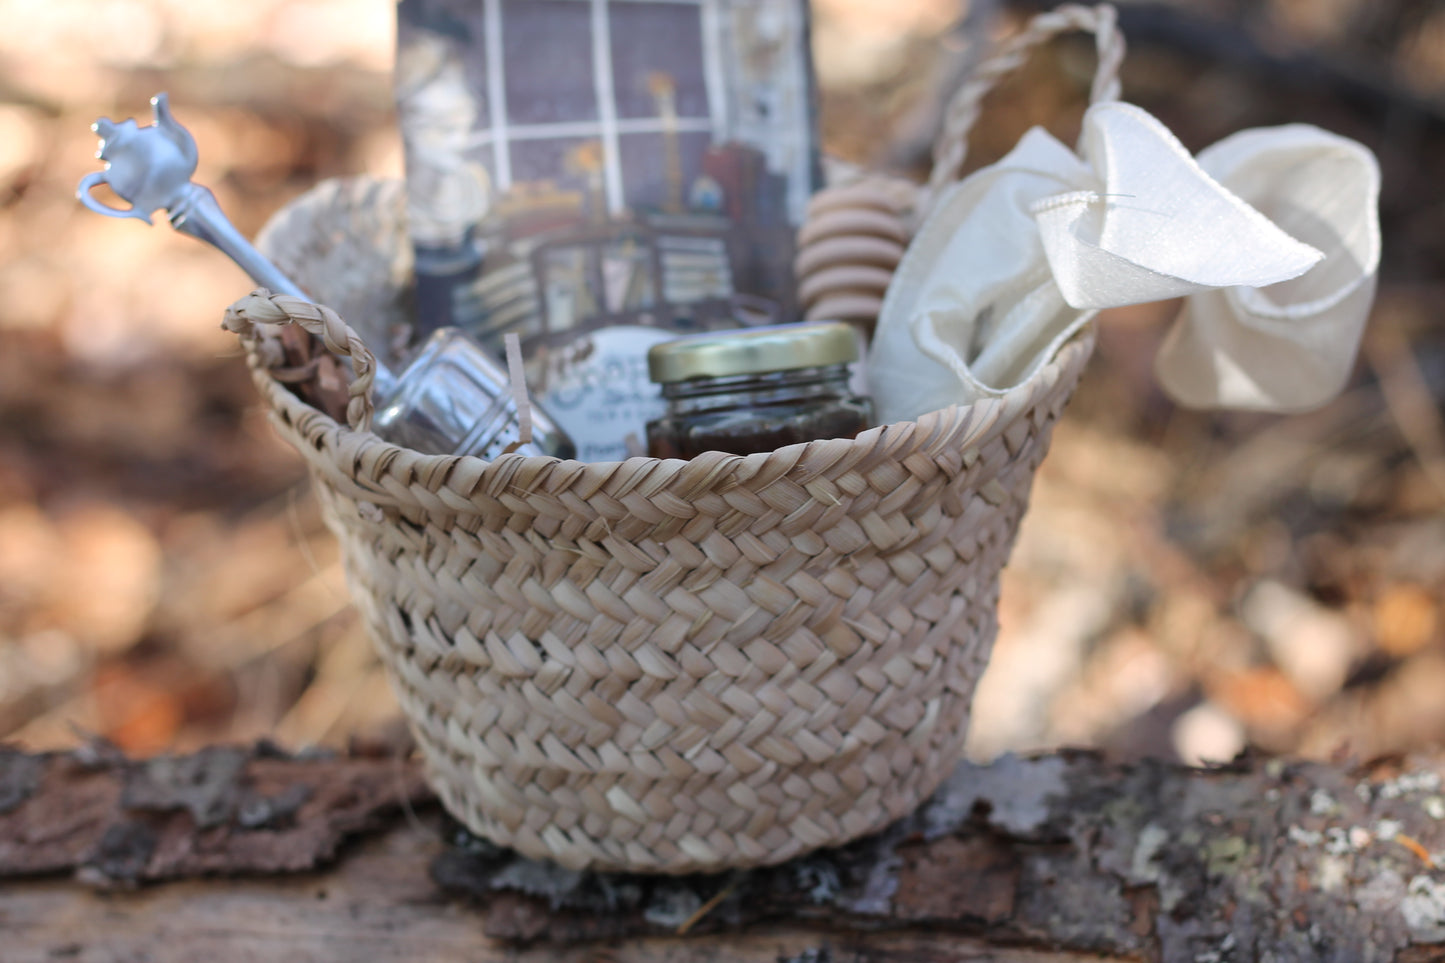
{"points": [[602, 175]]}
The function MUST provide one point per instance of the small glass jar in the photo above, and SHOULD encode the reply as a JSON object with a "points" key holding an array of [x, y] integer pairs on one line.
{"points": [[755, 390], [454, 399]]}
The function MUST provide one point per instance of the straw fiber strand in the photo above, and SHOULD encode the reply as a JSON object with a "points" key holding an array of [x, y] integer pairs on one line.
{"points": [[950, 149]]}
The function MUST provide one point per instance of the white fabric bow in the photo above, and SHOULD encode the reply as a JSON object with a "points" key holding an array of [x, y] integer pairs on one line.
{"points": [[1271, 236]]}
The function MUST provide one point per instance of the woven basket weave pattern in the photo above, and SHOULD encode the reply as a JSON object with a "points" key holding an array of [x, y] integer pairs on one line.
{"points": [[679, 666]]}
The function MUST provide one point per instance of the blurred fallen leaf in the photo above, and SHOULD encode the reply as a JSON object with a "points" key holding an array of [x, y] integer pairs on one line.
{"points": [[1263, 698], [1313, 645], [1405, 619], [138, 712], [109, 580]]}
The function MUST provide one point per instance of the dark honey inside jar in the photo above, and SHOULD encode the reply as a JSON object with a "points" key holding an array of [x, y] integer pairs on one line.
{"points": [[755, 390]]}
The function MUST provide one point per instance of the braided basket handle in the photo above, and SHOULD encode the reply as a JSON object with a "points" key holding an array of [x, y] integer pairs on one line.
{"points": [[248, 316], [951, 148]]}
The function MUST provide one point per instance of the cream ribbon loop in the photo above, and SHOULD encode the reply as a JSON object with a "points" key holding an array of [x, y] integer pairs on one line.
{"points": [[1271, 236]]}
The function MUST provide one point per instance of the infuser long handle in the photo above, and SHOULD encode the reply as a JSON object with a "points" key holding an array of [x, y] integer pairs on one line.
{"points": [[198, 214]]}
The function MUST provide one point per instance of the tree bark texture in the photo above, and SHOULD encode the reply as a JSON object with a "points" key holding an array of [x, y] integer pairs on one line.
{"points": [[239, 854]]}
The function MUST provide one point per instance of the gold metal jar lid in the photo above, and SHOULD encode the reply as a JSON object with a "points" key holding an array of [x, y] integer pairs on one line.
{"points": [[782, 347]]}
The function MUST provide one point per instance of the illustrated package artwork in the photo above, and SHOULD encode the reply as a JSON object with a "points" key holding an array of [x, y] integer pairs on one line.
{"points": [[601, 175]]}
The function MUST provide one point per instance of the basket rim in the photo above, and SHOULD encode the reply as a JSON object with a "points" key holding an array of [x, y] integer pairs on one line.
{"points": [[363, 465]]}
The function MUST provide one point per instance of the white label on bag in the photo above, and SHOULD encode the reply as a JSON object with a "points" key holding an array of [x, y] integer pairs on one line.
{"points": [[605, 396]]}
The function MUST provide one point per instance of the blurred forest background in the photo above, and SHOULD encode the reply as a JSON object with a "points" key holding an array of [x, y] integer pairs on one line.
{"points": [[1186, 584]]}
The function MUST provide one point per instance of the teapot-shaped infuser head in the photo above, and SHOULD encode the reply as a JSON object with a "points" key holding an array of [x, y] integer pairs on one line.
{"points": [[150, 167]]}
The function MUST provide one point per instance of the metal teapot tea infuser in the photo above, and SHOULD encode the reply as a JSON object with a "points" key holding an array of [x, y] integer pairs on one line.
{"points": [[451, 398]]}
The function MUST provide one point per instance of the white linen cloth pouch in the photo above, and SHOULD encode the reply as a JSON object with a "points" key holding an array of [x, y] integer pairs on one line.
{"points": [[1271, 237]]}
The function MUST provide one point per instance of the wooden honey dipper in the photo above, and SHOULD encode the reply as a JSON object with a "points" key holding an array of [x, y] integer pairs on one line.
{"points": [[852, 239]]}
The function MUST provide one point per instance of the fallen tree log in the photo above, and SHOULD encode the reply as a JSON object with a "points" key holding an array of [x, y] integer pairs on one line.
{"points": [[252, 854]]}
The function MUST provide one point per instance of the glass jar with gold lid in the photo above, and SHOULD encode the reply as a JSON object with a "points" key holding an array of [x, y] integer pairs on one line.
{"points": [[755, 390]]}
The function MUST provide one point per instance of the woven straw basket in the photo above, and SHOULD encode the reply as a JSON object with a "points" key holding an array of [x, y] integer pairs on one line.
{"points": [[663, 665]]}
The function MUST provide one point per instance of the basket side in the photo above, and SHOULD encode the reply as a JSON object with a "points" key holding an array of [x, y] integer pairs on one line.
{"points": [[683, 666]]}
